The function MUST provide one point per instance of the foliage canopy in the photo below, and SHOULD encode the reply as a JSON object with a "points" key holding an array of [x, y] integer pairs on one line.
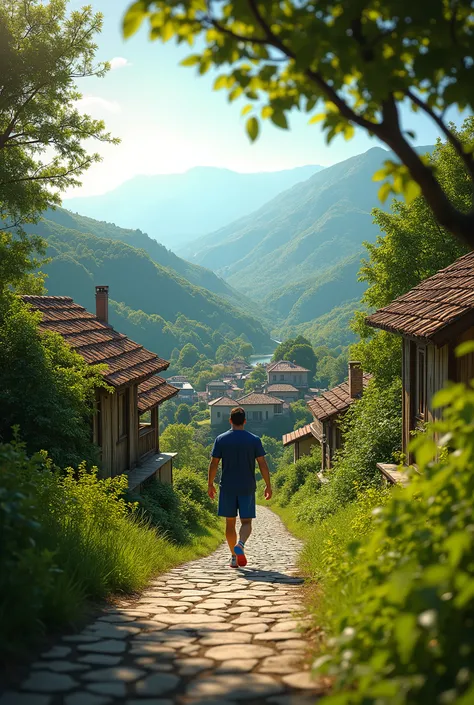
{"points": [[357, 62]]}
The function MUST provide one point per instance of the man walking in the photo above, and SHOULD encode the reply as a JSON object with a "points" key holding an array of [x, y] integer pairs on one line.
{"points": [[238, 449]]}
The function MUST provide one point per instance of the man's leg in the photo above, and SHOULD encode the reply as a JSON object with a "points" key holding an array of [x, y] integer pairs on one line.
{"points": [[230, 533], [245, 530]]}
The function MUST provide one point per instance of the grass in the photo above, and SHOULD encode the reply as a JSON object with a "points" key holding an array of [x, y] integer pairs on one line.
{"points": [[325, 559], [71, 539]]}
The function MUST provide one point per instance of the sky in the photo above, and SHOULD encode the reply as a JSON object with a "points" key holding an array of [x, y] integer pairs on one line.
{"points": [[169, 119]]}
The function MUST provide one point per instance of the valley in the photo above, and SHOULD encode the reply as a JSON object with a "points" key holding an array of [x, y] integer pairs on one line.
{"points": [[291, 263]]}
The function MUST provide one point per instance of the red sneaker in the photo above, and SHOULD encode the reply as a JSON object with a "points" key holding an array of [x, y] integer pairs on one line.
{"points": [[240, 554]]}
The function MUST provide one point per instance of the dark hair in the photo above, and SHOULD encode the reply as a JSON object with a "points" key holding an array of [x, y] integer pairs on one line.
{"points": [[237, 416]]}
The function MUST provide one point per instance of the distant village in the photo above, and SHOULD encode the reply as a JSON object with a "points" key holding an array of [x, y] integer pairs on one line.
{"points": [[286, 383]]}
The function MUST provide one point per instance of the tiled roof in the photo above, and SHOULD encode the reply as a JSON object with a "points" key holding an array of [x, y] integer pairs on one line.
{"points": [[281, 388], [257, 398], [154, 391], [304, 432], [95, 341], [335, 400], [223, 401], [285, 366], [427, 310]]}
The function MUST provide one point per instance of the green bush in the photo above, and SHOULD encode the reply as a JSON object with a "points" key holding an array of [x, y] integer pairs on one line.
{"points": [[180, 509], [160, 505], [296, 479], [46, 388], [66, 537], [372, 434], [406, 638]]}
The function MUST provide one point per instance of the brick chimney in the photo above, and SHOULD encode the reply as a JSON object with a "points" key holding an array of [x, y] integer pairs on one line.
{"points": [[356, 386], [102, 303]]}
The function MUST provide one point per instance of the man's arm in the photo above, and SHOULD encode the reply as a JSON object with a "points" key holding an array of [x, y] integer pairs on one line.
{"points": [[262, 464], [211, 476]]}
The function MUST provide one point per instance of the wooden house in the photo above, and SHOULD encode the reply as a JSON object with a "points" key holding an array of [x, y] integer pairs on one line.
{"points": [[433, 319], [125, 425], [328, 411]]}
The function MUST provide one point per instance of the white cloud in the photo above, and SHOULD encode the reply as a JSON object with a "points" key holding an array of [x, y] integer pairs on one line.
{"points": [[118, 62], [94, 102]]}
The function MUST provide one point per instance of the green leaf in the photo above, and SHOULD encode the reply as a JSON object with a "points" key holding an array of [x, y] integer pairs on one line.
{"points": [[246, 109], [380, 175], [384, 191], [406, 635], [267, 111], [348, 132], [168, 31], [220, 82], [317, 118], [133, 18], [252, 128], [411, 190], [465, 348], [191, 60], [279, 119]]}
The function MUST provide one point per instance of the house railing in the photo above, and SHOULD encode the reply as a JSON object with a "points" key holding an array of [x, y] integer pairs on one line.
{"points": [[146, 439]]}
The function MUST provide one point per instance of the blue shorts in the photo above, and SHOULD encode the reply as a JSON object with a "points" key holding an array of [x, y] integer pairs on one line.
{"points": [[230, 504]]}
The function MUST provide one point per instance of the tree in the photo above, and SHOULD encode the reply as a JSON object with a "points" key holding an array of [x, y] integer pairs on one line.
{"points": [[188, 356], [183, 414], [179, 438], [257, 378], [42, 131], [397, 262], [245, 350], [303, 355], [282, 350], [358, 61], [225, 352], [46, 389]]}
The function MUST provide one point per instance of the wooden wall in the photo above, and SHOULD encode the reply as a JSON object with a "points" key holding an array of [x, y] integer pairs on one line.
{"points": [[464, 365]]}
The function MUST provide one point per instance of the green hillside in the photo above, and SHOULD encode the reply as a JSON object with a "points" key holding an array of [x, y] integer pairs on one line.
{"points": [[299, 255], [163, 309], [304, 231], [158, 253]]}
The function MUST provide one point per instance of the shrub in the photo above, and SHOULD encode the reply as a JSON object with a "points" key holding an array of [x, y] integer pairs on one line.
{"points": [[407, 638], [64, 538], [46, 388], [159, 504], [372, 433]]}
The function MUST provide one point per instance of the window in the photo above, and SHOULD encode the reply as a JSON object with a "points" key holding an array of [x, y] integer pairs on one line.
{"points": [[274, 378], [276, 409], [123, 414], [218, 414], [421, 383], [295, 379], [282, 377], [266, 414], [257, 415]]}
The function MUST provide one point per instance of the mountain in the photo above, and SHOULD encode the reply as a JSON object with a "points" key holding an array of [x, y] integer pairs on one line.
{"points": [[194, 273], [152, 303], [300, 253], [176, 208]]}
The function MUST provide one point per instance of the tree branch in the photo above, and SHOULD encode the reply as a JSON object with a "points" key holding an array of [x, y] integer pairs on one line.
{"points": [[452, 139]]}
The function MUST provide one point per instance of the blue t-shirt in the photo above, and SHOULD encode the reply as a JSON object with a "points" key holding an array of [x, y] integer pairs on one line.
{"points": [[238, 450]]}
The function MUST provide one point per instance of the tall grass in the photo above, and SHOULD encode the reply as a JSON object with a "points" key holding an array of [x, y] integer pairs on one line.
{"points": [[68, 538]]}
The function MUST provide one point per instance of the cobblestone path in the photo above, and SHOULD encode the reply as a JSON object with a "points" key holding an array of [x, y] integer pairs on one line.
{"points": [[202, 633]]}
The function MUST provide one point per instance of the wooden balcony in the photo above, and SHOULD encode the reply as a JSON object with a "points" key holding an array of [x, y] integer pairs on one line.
{"points": [[147, 440], [159, 465]]}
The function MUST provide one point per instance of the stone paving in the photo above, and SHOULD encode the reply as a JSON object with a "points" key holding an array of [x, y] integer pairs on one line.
{"points": [[204, 633]]}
